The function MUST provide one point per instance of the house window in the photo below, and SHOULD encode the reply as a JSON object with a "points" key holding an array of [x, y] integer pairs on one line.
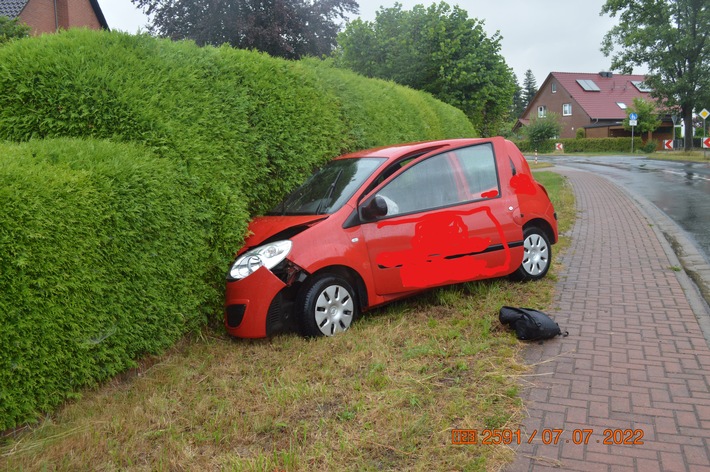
{"points": [[541, 111], [622, 105], [566, 109], [554, 87]]}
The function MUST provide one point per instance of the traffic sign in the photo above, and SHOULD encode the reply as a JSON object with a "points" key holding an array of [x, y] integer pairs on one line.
{"points": [[704, 114], [633, 122], [706, 143], [559, 147], [668, 144], [633, 117]]}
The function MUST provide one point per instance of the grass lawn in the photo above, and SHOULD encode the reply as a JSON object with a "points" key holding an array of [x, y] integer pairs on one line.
{"points": [[384, 396], [692, 156]]}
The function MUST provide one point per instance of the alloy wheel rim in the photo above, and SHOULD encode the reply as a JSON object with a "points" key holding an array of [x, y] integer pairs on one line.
{"points": [[536, 256], [334, 310]]}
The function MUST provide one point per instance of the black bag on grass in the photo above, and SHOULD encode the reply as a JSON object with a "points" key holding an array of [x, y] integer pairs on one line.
{"points": [[529, 324]]}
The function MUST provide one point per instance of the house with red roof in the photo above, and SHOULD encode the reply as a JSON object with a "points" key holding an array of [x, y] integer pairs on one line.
{"points": [[49, 16], [597, 103]]}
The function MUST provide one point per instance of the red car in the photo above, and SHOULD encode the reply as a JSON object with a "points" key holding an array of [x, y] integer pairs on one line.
{"points": [[381, 224]]}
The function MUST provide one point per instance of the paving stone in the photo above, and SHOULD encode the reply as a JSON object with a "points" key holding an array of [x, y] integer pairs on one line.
{"points": [[635, 359]]}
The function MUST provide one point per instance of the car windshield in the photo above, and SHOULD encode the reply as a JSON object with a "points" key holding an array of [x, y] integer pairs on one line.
{"points": [[328, 189]]}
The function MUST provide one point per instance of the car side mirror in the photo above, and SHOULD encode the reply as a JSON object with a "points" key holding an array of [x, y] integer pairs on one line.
{"points": [[376, 208]]}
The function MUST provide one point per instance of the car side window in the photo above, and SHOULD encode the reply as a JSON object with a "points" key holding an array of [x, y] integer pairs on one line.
{"points": [[479, 167], [426, 185]]}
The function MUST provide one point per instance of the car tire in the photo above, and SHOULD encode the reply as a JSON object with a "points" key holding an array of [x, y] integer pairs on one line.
{"points": [[537, 256], [328, 306]]}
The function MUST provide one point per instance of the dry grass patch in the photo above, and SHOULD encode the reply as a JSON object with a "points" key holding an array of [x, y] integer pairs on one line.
{"points": [[384, 396]]}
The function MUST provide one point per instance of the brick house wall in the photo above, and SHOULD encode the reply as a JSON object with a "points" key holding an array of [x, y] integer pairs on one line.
{"points": [[40, 15], [558, 100], [596, 103]]}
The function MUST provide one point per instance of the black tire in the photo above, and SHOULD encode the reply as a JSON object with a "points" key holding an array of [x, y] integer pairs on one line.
{"points": [[328, 305], [537, 257]]}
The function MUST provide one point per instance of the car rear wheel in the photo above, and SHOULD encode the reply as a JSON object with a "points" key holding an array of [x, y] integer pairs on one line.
{"points": [[537, 256], [328, 306]]}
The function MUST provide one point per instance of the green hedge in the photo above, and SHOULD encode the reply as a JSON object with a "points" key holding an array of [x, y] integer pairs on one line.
{"points": [[129, 169], [378, 112], [102, 261], [259, 122], [622, 145]]}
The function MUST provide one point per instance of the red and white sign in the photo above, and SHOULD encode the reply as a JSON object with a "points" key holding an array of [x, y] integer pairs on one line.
{"points": [[706, 143], [668, 144], [559, 147]]}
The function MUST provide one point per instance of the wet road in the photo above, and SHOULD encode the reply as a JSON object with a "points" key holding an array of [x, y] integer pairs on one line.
{"points": [[681, 190]]}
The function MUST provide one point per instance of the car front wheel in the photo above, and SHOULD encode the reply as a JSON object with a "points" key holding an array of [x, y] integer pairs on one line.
{"points": [[537, 256], [328, 306]]}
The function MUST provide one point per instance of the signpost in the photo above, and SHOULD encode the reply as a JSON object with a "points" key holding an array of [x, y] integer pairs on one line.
{"points": [[704, 114], [633, 121], [668, 144]]}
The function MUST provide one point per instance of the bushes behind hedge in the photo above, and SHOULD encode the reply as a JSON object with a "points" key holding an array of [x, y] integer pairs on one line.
{"points": [[102, 261], [622, 145], [109, 250]]}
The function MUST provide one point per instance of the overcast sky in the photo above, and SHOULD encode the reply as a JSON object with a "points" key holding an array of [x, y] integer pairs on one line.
{"points": [[542, 35]]}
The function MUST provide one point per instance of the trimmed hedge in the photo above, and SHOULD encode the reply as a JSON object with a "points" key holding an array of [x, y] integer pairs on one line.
{"points": [[370, 107], [140, 162], [102, 262], [622, 145]]}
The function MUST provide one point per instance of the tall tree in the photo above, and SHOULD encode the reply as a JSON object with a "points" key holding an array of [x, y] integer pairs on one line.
{"points": [[438, 49], [285, 28], [671, 37], [529, 87], [519, 105]]}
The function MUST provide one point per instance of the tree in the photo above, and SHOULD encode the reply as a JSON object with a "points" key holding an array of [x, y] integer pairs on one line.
{"points": [[671, 38], [519, 105], [12, 29], [648, 119], [529, 87], [284, 28], [541, 129], [438, 49]]}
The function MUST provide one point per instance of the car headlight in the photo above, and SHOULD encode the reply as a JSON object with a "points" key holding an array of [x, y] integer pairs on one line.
{"points": [[268, 255]]}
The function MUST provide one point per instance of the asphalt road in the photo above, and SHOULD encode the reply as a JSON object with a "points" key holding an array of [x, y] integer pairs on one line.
{"points": [[680, 190]]}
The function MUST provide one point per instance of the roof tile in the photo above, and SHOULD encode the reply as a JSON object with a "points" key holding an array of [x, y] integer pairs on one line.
{"points": [[12, 8], [602, 105]]}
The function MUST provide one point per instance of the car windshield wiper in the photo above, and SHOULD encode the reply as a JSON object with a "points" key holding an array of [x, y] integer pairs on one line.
{"points": [[329, 192]]}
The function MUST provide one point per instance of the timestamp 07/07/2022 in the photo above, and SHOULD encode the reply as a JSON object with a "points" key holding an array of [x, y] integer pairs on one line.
{"points": [[547, 436]]}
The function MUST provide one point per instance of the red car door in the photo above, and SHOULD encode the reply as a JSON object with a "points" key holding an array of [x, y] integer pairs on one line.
{"points": [[440, 228]]}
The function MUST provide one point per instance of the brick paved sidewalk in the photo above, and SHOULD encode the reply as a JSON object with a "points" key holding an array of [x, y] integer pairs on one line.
{"points": [[635, 357]]}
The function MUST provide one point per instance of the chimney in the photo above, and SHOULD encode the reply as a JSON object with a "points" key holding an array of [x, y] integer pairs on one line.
{"points": [[607, 75]]}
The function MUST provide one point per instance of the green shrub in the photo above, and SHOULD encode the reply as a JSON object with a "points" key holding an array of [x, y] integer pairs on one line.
{"points": [[650, 146], [580, 133], [622, 145], [378, 112], [258, 122], [102, 261], [115, 243]]}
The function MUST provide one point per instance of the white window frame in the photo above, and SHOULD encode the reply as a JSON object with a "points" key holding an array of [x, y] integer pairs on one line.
{"points": [[554, 87], [541, 111], [566, 109]]}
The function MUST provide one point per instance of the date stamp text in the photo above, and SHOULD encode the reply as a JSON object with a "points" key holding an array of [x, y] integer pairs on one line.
{"points": [[547, 436]]}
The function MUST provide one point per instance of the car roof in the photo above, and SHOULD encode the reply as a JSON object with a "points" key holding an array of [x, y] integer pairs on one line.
{"points": [[398, 150]]}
